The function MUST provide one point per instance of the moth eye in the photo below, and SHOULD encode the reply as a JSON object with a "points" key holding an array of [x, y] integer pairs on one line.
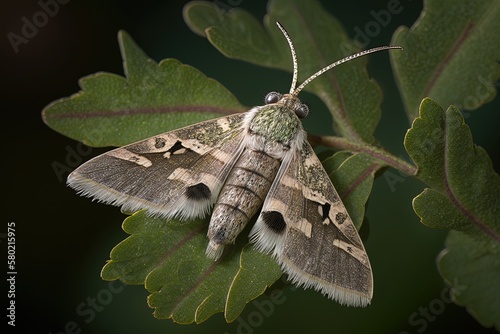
{"points": [[272, 97], [302, 111]]}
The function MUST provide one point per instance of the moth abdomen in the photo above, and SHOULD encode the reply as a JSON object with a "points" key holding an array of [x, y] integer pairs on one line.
{"points": [[240, 198]]}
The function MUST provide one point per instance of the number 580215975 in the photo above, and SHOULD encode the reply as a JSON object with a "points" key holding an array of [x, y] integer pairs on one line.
{"points": [[11, 246]]}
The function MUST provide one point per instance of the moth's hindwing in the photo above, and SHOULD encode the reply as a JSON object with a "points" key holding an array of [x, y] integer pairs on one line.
{"points": [[305, 225], [178, 173]]}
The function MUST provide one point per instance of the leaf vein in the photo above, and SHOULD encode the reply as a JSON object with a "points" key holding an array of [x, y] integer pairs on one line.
{"points": [[196, 285], [178, 245], [451, 195], [373, 167], [139, 111], [446, 60]]}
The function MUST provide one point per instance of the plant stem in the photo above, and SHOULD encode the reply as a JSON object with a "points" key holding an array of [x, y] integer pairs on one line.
{"points": [[373, 151]]}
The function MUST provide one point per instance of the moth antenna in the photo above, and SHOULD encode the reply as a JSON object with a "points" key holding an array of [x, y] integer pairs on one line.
{"points": [[294, 57], [338, 62]]}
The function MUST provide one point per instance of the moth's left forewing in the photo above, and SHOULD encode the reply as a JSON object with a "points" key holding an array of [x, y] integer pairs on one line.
{"points": [[306, 226], [174, 174]]}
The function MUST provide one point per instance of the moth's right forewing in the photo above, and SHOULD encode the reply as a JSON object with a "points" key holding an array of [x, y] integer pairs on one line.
{"points": [[178, 173], [307, 228]]}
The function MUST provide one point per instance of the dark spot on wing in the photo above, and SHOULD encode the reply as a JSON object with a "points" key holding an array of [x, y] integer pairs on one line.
{"points": [[177, 146], [326, 210], [274, 220], [340, 218], [198, 192], [160, 142]]}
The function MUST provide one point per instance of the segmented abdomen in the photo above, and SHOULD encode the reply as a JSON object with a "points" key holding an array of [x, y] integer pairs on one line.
{"points": [[240, 198]]}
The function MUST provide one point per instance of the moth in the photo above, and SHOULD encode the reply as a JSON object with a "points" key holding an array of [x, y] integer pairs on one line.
{"points": [[237, 165]]}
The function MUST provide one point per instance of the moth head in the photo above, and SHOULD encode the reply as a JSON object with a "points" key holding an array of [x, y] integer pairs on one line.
{"points": [[294, 91], [290, 101]]}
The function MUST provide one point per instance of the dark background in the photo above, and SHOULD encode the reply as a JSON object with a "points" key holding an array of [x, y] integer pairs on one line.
{"points": [[63, 240]]}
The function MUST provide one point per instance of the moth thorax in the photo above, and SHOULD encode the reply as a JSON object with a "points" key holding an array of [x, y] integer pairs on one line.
{"points": [[240, 198]]}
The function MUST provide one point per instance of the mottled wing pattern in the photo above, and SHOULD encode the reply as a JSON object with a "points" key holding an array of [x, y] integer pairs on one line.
{"points": [[178, 173], [306, 226]]}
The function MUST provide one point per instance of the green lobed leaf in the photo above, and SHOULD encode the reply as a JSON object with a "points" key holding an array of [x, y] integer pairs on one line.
{"points": [[255, 268], [152, 98], [237, 34], [185, 285], [450, 54], [465, 191], [464, 196], [472, 268], [351, 96]]}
